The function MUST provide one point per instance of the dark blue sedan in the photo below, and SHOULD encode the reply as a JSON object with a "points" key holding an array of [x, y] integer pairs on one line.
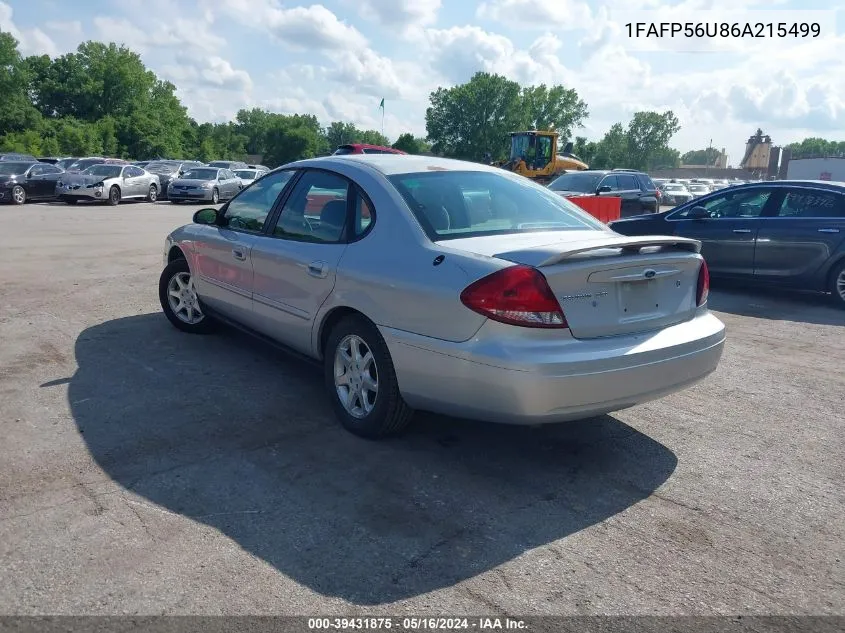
{"points": [[789, 233]]}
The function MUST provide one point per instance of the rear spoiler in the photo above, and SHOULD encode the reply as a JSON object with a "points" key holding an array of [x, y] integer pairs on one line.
{"points": [[629, 245]]}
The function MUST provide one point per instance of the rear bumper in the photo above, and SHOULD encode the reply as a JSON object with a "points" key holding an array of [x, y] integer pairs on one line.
{"points": [[191, 194], [532, 380]]}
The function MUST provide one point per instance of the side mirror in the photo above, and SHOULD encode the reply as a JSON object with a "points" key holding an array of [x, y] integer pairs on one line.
{"points": [[698, 213], [206, 216], [603, 189]]}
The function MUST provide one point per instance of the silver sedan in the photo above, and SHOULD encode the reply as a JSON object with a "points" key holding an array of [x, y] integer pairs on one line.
{"points": [[447, 286], [108, 183], [209, 184]]}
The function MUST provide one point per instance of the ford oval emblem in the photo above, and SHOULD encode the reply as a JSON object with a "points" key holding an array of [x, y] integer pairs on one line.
{"points": [[650, 273]]}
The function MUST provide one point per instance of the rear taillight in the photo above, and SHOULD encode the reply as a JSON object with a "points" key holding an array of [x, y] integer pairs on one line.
{"points": [[519, 295], [657, 194], [703, 284]]}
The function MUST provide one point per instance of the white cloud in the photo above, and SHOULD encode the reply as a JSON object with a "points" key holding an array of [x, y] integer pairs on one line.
{"points": [[177, 33], [571, 14], [210, 71], [32, 41], [299, 28], [398, 13]]}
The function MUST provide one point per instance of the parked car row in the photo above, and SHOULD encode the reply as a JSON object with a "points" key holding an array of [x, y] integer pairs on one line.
{"points": [[95, 178]]}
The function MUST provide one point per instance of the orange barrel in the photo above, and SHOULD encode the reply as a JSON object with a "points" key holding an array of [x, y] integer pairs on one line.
{"points": [[604, 208]]}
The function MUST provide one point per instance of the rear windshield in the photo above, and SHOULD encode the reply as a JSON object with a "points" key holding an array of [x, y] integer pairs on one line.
{"points": [[346, 149], [455, 204], [247, 174], [582, 183], [83, 164], [162, 167], [105, 171], [200, 174]]}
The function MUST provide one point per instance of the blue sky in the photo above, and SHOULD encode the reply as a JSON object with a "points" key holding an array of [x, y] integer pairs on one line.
{"points": [[338, 58]]}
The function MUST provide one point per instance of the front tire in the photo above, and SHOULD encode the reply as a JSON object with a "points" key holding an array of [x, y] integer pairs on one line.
{"points": [[114, 196], [179, 300], [837, 284], [361, 381], [152, 195], [215, 196], [18, 194]]}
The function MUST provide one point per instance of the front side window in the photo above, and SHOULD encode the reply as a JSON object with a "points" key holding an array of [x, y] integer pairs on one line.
{"points": [[249, 210], [455, 204], [733, 204], [316, 210]]}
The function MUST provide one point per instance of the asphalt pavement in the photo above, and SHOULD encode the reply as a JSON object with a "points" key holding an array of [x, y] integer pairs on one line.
{"points": [[146, 471]]}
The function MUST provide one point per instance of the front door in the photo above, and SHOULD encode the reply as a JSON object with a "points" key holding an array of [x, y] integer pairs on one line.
{"points": [[799, 237], [134, 183], [296, 265], [224, 254], [729, 235]]}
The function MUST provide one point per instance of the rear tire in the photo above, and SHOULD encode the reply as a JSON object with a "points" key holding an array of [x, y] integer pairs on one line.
{"points": [[837, 284], [114, 196], [215, 196], [152, 195], [349, 380], [176, 278]]}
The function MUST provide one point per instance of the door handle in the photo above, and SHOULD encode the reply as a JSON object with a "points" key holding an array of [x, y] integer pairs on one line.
{"points": [[742, 230], [828, 230], [317, 269], [239, 255]]}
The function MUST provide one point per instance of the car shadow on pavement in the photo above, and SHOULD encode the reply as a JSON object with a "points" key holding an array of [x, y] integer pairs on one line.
{"points": [[231, 433], [775, 304]]}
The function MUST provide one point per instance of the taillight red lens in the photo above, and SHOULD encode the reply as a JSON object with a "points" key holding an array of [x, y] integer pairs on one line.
{"points": [[519, 295], [703, 284]]}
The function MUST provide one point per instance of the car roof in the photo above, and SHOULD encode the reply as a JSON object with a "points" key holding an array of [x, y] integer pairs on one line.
{"points": [[394, 164]]}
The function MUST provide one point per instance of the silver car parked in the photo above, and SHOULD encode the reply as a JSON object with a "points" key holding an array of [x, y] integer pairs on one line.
{"points": [[209, 184], [108, 183], [447, 286]]}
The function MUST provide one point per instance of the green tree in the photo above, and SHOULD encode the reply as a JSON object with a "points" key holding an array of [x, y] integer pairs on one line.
{"points": [[407, 143], [648, 136], [339, 133], [815, 147], [16, 110], [612, 150], [556, 108], [372, 137], [706, 156], [293, 137], [474, 119]]}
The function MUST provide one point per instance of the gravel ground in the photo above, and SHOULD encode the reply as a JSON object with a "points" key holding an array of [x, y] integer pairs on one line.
{"points": [[146, 471]]}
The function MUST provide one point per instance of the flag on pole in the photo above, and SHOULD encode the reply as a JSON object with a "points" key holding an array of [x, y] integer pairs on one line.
{"points": [[381, 105]]}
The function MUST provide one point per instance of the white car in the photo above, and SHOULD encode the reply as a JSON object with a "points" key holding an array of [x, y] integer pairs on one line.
{"points": [[248, 176], [108, 183]]}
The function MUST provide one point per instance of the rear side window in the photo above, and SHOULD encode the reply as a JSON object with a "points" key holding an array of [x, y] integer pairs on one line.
{"points": [[627, 183], [812, 203], [646, 182]]}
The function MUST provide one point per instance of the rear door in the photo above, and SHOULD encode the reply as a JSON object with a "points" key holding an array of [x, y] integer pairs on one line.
{"points": [[629, 190], [729, 236], [795, 242]]}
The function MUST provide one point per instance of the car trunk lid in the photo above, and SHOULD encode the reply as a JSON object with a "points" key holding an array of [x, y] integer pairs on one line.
{"points": [[609, 285]]}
